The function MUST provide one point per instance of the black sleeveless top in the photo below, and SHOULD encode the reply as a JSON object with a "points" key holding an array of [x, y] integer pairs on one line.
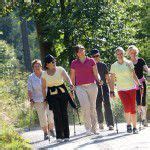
{"points": [[138, 67]]}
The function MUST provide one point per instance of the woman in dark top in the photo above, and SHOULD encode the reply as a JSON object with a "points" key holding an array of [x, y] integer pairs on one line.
{"points": [[139, 67]]}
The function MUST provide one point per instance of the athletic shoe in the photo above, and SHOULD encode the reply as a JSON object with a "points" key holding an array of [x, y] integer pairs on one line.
{"points": [[110, 127], [129, 128], [144, 123], [101, 126], [135, 131], [66, 139], [59, 140], [46, 136], [88, 133], [52, 133]]}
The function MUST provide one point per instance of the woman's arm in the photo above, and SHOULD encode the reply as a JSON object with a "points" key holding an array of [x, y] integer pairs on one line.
{"points": [[66, 77], [72, 76], [146, 69], [135, 78], [108, 80], [96, 74], [30, 95], [30, 90], [44, 88], [112, 82]]}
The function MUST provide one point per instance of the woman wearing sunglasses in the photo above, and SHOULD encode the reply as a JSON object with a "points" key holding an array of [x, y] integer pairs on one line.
{"points": [[103, 93], [57, 96]]}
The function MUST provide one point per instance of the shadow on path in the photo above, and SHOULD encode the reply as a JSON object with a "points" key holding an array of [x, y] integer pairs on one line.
{"points": [[96, 139]]}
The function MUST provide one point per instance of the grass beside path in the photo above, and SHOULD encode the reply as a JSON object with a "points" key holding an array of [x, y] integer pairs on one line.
{"points": [[10, 139]]}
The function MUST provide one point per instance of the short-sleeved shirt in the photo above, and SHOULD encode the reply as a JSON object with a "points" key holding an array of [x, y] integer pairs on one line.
{"points": [[138, 67], [102, 70], [84, 71], [54, 80], [124, 75], [35, 86]]}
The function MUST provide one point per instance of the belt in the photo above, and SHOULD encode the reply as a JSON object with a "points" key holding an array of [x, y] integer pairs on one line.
{"points": [[86, 84]]}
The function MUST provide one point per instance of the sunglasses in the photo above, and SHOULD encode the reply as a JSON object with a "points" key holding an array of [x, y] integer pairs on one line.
{"points": [[53, 62], [95, 56]]}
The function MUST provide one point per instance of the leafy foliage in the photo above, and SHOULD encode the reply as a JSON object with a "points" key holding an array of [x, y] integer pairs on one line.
{"points": [[10, 139], [101, 25]]}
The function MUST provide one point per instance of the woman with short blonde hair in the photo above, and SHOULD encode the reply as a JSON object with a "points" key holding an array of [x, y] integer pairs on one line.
{"points": [[139, 66], [122, 72]]}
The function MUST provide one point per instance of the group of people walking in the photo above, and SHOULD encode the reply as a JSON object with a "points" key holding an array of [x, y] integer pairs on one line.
{"points": [[94, 85]]}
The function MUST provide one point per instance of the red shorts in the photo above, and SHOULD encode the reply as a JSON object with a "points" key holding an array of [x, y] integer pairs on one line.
{"points": [[128, 99]]}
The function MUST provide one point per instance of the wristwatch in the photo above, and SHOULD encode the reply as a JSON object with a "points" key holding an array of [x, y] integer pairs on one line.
{"points": [[31, 100], [112, 92], [140, 86], [45, 100]]}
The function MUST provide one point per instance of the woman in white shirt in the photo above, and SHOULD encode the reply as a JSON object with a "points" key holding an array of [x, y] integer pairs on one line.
{"points": [[36, 99], [122, 72], [57, 96]]}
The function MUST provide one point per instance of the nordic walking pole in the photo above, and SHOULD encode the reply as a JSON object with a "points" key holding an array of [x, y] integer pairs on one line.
{"points": [[78, 117], [77, 108], [115, 115], [140, 113], [74, 123], [31, 107]]}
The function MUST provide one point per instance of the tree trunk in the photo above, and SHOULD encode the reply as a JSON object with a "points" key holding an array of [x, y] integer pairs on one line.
{"points": [[67, 41], [46, 47], [25, 42]]}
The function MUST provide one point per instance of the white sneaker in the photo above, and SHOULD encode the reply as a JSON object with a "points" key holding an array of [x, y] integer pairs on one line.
{"points": [[144, 123], [101, 126], [88, 133], [59, 140], [66, 139], [96, 132]]}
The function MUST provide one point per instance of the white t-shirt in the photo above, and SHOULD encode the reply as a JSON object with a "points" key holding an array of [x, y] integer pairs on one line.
{"points": [[124, 75], [54, 80]]}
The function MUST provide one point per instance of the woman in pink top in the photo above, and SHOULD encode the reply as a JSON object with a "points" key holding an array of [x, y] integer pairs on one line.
{"points": [[84, 75]]}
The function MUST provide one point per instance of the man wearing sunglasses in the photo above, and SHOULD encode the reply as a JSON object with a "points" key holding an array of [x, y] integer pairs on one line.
{"points": [[103, 93]]}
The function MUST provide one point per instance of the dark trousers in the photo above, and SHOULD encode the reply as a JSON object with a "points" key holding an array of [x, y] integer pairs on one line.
{"points": [[138, 96], [59, 107], [104, 97]]}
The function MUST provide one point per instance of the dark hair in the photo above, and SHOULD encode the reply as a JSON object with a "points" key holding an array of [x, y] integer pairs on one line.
{"points": [[94, 51], [78, 47], [38, 61], [48, 59]]}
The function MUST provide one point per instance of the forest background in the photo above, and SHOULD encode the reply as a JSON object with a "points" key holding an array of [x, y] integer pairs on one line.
{"points": [[31, 29]]}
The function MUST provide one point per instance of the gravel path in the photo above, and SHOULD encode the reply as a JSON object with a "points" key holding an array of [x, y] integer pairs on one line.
{"points": [[105, 140]]}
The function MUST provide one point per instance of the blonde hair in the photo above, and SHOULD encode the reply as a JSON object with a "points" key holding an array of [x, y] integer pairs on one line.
{"points": [[38, 61], [132, 48], [119, 49]]}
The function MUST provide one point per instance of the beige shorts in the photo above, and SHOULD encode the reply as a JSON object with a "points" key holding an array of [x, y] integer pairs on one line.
{"points": [[45, 115]]}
